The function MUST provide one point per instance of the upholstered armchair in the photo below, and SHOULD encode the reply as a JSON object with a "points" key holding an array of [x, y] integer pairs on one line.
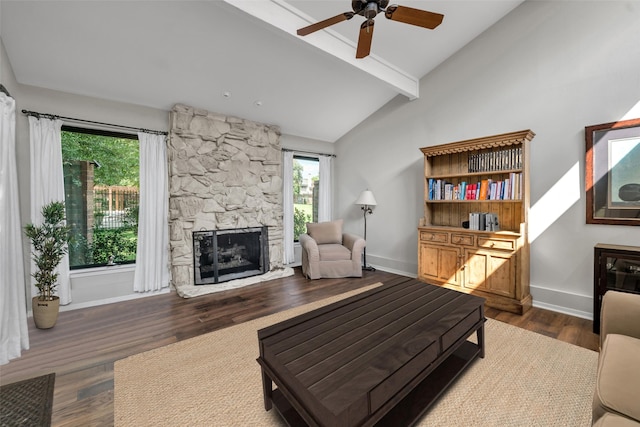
{"points": [[327, 252], [615, 401]]}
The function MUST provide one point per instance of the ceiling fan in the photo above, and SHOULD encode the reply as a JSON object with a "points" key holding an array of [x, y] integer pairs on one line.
{"points": [[369, 9]]}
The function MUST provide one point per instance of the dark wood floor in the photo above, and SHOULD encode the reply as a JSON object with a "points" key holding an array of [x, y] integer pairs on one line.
{"points": [[83, 346]]}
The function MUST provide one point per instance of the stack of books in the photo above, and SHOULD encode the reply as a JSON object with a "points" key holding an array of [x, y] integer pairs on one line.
{"points": [[496, 160], [483, 221], [485, 189]]}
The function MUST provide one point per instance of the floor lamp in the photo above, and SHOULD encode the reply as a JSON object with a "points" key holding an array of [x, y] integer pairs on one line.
{"points": [[366, 201]]}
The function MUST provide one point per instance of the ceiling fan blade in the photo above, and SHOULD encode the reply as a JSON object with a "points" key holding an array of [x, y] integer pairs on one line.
{"points": [[364, 40], [324, 24], [409, 15]]}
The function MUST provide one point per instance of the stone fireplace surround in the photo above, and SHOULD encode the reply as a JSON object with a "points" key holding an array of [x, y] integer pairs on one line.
{"points": [[224, 173]]}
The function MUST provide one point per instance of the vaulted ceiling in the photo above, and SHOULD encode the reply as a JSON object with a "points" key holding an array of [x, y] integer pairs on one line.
{"points": [[236, 57]]}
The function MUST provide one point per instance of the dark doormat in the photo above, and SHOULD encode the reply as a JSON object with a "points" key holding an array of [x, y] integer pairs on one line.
{"points": [[28, 402]]}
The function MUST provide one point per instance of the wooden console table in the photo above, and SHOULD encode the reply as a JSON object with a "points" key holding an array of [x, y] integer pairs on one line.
{"points": [[615, 267], [378, 358]]}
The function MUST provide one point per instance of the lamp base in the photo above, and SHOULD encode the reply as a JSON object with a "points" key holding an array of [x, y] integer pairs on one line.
{"points": [[368, 268]]}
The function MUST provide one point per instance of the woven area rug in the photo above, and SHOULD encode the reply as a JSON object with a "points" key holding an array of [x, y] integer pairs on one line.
{"points": [[28, 402], [525, 379]]}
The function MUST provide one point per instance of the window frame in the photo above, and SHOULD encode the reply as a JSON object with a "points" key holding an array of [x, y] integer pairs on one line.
{"points": [[111, 134], [308, 158]]}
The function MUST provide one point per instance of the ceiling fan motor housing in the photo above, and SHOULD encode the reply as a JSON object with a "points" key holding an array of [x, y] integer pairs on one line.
{"points": [[368, 9]]}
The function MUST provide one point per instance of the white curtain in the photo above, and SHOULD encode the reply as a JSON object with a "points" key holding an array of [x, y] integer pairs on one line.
{"points": [[287, 200], [47, 185], [152, 256], [324, 196], [14, 332]]}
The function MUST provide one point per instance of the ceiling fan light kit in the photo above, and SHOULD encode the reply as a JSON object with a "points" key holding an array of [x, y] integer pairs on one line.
{"points": [[369, 10]]}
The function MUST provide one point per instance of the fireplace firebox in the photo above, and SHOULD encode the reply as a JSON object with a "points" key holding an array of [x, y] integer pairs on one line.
{"points": [[223, 255]]}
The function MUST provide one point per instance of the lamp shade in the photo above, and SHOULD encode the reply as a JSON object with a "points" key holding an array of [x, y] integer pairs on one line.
{"points": [[366, 198]]}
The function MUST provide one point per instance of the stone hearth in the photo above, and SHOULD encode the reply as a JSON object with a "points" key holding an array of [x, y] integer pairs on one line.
{"points": [[224, 173]]}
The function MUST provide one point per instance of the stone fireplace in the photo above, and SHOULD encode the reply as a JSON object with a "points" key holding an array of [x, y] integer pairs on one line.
{"points": [[224, 173]]}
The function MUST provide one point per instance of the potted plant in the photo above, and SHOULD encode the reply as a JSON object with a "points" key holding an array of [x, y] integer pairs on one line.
{"points": [[49, 244]]}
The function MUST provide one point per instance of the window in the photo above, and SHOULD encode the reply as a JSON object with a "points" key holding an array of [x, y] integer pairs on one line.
{"points": [[101, 180], [305, 193]]}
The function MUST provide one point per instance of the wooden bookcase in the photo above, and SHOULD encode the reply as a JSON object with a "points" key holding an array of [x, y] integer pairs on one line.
{"points": [[490, 263]]}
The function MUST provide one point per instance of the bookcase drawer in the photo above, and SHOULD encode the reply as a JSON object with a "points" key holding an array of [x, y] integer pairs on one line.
{"points": [[462, 239], [491, 243], [429, 236]]}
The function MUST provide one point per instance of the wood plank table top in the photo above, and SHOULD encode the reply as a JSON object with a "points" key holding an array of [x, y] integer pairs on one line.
{"points": [[352, 362]]}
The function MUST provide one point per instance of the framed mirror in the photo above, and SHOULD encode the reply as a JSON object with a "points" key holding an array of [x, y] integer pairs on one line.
{"points": [[612, 173]]}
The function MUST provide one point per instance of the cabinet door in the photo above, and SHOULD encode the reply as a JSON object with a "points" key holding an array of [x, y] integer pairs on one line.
{"points": [[614, 270], [439, 264], [491, 271], [427, 262]]}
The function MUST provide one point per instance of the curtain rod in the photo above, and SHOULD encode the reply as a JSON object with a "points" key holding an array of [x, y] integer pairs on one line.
{"points": [[309, 152], [4, 90], [55, 117]]}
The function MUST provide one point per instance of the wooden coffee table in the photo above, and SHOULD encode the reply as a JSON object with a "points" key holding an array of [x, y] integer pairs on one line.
{"points": [[378, 358]]}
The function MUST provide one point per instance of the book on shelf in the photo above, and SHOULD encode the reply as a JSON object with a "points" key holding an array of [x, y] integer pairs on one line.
{"points": [[451, 192], [489, 161], [486, 189], [462, 191], [483, 221], [493, 191], [516, 185]]}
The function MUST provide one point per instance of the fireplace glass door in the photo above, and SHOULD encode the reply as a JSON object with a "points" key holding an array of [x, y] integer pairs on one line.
{"points": [[223, 255]]}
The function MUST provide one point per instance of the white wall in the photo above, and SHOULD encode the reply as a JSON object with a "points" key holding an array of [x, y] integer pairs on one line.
{"points": [[552, 67], [299, 143], [103, 284], [107, 284], [6, 73]]}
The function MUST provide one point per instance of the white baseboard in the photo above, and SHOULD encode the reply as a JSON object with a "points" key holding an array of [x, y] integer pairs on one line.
{"points": [[549, 299], [563, 302], [394, 271], [122, 298], [563, 310], [393, 266]]}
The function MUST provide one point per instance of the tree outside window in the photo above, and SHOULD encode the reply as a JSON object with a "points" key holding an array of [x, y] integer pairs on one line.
{"points": [[101, 173], [305, 193]]}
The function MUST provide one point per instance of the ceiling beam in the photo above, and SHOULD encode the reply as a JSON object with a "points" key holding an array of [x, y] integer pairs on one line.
{"points": [[282, 15]]}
